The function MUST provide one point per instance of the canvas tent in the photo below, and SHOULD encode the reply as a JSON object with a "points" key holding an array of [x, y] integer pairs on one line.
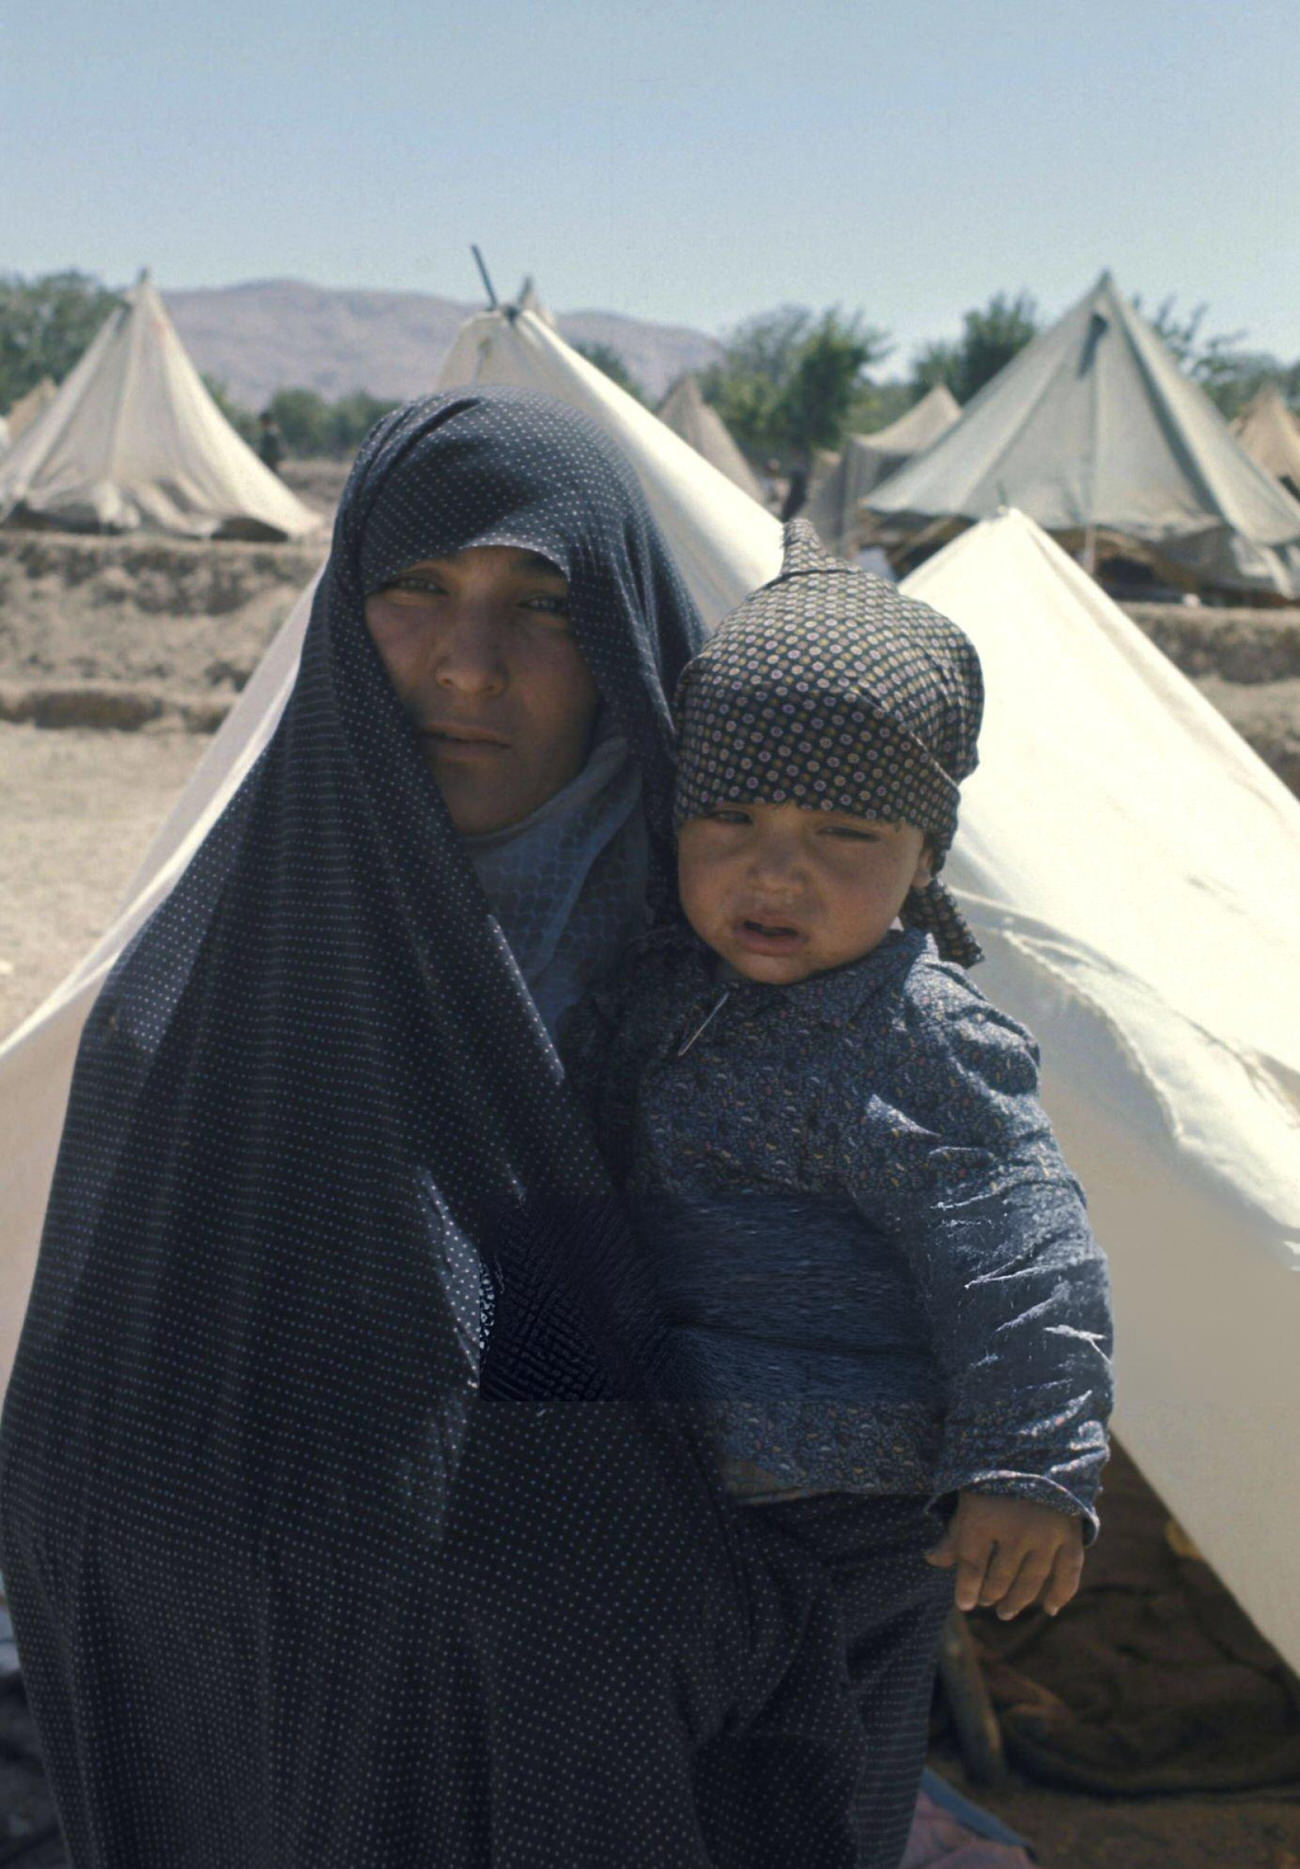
{"points": [[1095, 432], [1133, 871], [19, 418], [834, 506], [133, 440], [688, 415], [1270, 434]]}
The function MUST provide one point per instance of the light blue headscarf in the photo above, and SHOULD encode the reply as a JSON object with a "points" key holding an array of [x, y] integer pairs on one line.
{"points": [[568, 884]]}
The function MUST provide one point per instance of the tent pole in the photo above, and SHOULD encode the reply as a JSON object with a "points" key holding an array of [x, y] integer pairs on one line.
{"points": [[483, 275]]}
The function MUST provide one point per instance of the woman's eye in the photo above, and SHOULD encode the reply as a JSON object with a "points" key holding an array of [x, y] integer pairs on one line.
{"points": [[412, 587], [549, 606], [843, 832], [727, 814]]}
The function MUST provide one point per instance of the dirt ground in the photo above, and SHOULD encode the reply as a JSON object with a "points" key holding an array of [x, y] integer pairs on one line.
{"points": [[1070, 1830], [1247, 662], [80, 810], [132, 651]]}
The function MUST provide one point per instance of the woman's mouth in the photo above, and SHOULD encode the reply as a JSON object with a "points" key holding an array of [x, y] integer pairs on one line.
{"points": [[464, 742], [768, 937]]}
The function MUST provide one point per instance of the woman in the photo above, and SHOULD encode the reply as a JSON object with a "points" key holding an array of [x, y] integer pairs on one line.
{"points": [[341, 1523]]}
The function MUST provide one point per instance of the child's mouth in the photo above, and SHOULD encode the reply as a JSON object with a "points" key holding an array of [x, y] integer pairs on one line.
{"points": [[768, 937]]}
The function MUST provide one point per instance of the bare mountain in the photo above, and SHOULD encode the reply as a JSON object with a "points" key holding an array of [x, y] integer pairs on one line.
{"points": [[276, 333]]}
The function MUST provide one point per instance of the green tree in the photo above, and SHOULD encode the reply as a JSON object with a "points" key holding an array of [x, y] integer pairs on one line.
{"points": [[939, 361], [606, 358], [876, 405], [351, 419], [1229, 375], [45, 325], [790, 380], [303, 418], [767, 344], [819, 395], [310, 427], [991, 335]]}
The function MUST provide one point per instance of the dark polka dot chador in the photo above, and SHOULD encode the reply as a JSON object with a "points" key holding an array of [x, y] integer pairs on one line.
{"points": [[339, 1521]]}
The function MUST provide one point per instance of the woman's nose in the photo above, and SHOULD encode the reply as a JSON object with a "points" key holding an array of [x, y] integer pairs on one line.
{"points": [[468, 655]]}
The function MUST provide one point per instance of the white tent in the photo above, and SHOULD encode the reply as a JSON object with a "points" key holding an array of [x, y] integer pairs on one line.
{"points": [[834, 506], [1270, 434], [688, 415], [922, 424], [1134, 873], [132, 439], [19, 418], [1094, 430]]}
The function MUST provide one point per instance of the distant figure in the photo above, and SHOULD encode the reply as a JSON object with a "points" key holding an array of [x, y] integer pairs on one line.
{"points": [[775, 484], [270, 446], [796, 494]]}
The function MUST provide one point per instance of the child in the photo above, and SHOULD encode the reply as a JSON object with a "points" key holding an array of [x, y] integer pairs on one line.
{"points": [[874, 1260]]}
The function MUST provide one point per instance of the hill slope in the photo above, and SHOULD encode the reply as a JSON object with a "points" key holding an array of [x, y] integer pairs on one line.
{"points": [[273, 333]]}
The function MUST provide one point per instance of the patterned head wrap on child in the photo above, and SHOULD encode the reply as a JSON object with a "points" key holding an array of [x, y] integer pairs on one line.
{"points": [[829, 688]]}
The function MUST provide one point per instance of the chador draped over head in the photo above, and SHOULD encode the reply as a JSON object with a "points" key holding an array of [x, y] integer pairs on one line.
{"points": [[341, 1523]]}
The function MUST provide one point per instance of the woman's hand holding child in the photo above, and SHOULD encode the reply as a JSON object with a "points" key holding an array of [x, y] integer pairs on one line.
{"points": [[1010, 1554]]}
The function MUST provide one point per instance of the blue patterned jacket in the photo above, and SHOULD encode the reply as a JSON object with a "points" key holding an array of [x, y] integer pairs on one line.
{"points": [[873, 1257]]}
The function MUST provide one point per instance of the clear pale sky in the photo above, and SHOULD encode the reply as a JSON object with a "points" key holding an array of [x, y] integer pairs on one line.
{"points": [[686, 160]]}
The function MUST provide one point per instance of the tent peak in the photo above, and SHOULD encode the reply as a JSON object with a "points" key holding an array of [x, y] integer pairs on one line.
{"points": [[528, 299], [132, 439]]}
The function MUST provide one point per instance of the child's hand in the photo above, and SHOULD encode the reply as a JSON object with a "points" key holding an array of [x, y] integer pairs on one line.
{"points": [[1010, 1553]]}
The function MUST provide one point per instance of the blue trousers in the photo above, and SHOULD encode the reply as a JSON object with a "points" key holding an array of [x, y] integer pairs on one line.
{"points": [[891, 1606]]}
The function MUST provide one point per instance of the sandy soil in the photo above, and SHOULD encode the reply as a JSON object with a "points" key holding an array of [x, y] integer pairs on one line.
{"points": [[80, 810], [319, 483], [1247, 662], [98, 635], [117, 632]]}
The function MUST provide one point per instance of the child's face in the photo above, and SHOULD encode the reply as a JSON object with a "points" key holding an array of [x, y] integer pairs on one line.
{"points": [[782, 892]]}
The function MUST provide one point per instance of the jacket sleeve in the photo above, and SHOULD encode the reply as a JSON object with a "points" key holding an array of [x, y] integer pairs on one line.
{"points": [[957, 1162]]}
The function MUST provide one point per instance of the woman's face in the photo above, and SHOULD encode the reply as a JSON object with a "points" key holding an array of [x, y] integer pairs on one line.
{"points": [[479, 649]]}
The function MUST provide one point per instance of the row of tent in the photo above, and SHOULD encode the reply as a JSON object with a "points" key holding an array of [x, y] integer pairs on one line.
{"points": [[1132, 871], [835, 506], [1093, 430], [1270, 434]]}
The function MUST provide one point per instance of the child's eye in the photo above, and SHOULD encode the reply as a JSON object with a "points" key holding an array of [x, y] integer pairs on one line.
{"points": [[728, 814], [850, 836]]}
